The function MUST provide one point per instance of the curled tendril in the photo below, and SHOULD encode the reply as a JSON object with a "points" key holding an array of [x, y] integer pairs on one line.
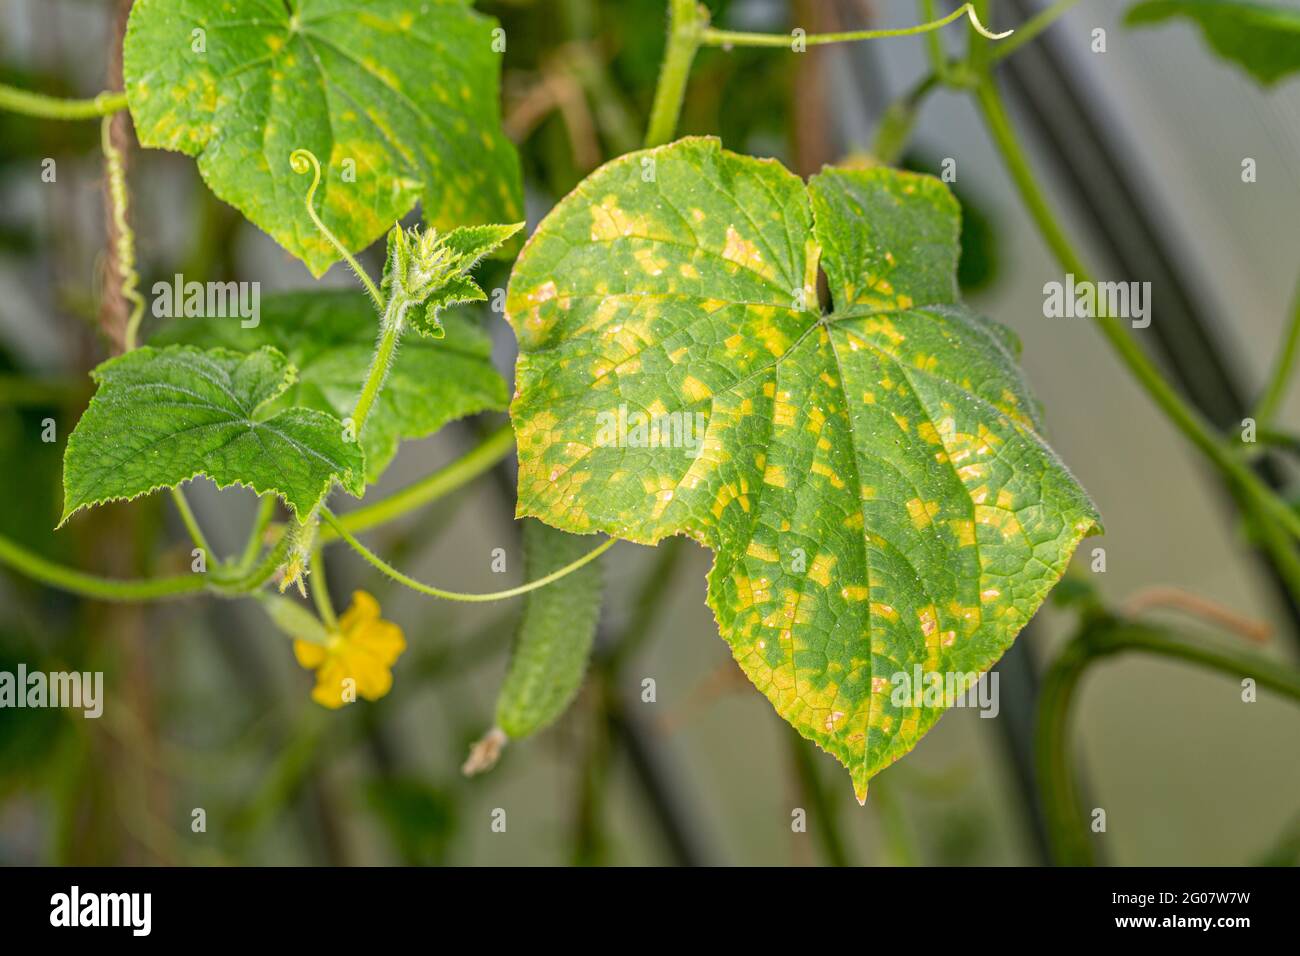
{"points": [[303, 161], [124, 240], [980, 28]]}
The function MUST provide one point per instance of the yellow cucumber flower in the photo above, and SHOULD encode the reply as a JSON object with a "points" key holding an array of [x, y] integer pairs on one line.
{"points": [[357, 657]]}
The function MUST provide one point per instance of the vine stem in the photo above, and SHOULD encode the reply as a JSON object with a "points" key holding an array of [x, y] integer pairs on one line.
{"points": [[459, 473], [191, 523], [1103, 639], [320, 593], [265, 509], [687, 21], [934, 42], [145, 589], [57, 108], [93, 586], [1183, 416], [383, 566], [712, 37], [390, 332], [303, 161], [1281, 376]]}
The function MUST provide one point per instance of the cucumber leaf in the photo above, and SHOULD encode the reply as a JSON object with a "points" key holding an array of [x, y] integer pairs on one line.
{"points": [[398, 100], [330, 336], [163, 416], [872, 479], [1262, 38]]}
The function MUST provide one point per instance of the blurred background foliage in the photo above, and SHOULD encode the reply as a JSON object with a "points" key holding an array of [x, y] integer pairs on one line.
{"points": [[207, 714]]}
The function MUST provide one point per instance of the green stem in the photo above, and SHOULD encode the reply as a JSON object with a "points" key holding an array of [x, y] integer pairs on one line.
{"points": [[265, 510], [88, 585], [378, 563], [303, 161], [712, 37], [687, 21], [895, 129], [977, 44], [933, 41], [430, 488], [1186, 419], [320, 592], [1030, 29], [245, 582], [56, 108], [146, 589], [1281, 377], [391, 331], [1102, 639], [191, 523]]}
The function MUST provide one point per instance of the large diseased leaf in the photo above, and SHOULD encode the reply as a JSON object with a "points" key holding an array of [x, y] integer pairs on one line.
{"points": [[556, 632], [399, 100], [163, 416], [330, 337], [872, 481], [1264, 38]]}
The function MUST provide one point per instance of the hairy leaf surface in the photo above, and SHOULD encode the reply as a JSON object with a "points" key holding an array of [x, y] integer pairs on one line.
{"points": [[163, 416], [399, 101], [1263, 38], [330, 337], [872, 480]]}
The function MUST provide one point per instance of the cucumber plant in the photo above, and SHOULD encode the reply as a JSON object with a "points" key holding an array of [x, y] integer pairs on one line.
{"points": [[709, 346]]}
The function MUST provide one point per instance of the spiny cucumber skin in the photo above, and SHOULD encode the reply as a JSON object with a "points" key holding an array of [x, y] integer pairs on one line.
{"points": [[555, 635]]}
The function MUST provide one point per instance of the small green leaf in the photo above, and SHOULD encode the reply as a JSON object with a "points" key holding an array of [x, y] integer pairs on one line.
{"points": [[429, 271], [872, 480], [330, 337], [458, 290], [399, 100], [470, 244], [163, 416], [1263, 38], [555, 634]]}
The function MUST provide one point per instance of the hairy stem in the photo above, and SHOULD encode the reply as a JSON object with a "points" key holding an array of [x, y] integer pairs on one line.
{"points": [[687, 21], [380, 362], [380, 564], [56, 108]]}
